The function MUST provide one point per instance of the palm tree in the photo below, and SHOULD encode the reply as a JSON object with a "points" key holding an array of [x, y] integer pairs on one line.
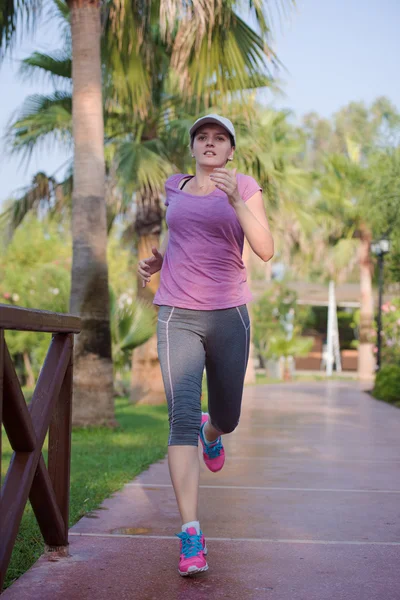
{"points": [[341, 161], [93, 368], [341, 188], [93, 381], [238, 60]]}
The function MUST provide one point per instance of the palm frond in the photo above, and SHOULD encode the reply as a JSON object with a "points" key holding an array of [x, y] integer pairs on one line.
{"points": [[196, 20], [211, 49], [133, 322], [42, 120], [44, 196], [126, 55], [141, 166], [230, 59], [53, 66]]}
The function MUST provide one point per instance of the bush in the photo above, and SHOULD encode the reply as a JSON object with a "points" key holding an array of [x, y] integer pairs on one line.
{"points": [[387, 384], [391, 332]]}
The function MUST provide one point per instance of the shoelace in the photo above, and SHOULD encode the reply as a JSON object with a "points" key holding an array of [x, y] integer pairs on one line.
{"points": [[215, 450], [191, 544]]}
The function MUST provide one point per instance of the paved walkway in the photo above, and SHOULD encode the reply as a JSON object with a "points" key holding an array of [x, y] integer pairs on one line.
{"points": [[307, 507]]}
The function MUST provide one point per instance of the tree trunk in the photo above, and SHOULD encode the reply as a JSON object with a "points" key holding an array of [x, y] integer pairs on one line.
{"points": [[30, 379], [366, 362], [93, 370], [146, 380]]}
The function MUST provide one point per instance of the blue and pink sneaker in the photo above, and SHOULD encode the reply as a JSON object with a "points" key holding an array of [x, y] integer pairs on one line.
{"points": [[193, 552], [213, 454]]}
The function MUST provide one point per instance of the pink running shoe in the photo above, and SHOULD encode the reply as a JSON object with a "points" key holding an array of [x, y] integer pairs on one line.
{"points": [[193, 550], [213, 454]]}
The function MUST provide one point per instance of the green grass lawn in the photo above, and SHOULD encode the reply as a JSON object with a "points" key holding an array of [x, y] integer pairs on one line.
{"points": [[103, 460]]}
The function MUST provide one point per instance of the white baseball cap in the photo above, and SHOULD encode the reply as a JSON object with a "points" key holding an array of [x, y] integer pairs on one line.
{"points": [[217, 120]]}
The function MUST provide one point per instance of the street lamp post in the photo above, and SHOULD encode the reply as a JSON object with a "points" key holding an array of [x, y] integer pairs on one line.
{"points": [[380, 248]]}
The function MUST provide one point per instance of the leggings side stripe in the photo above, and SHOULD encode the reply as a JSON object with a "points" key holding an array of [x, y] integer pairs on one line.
{"points": [[169, 374], [246, 329]]}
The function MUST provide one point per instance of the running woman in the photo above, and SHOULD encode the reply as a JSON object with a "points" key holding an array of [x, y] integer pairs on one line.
{"points": [[203, 320]]}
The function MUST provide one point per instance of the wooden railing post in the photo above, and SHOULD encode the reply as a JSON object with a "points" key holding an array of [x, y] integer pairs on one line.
{"points": [[26, 428], [59, 462], [1, 403], [2, 569]]}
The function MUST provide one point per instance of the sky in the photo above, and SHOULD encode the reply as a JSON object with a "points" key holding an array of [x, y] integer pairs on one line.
{"points": [[333, 52]]}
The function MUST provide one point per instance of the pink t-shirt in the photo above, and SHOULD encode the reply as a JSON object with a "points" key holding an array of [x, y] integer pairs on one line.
{"points": [[203, 267]]}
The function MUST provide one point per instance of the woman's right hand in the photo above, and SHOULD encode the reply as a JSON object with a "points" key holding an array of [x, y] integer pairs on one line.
{"points": [[149, 266]]}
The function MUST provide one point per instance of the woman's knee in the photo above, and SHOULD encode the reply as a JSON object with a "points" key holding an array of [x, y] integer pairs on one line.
{"points": [[225, 425], [184, 425], [183, 436]]}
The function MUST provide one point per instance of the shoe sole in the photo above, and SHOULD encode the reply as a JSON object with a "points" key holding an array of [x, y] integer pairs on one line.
{"points": [[193, 572]]}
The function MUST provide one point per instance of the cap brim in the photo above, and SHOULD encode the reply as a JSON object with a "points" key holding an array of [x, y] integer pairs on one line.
{"points": [[208, 121]]}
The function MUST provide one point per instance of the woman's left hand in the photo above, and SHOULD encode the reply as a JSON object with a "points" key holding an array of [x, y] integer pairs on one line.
{"points": [[225, 180]]}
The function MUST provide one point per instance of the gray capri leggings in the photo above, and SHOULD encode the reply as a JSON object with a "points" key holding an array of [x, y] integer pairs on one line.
{"points": [[188, 341]]}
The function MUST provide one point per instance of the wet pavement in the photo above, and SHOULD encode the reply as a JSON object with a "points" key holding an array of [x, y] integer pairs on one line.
{"points": [[307, 507]]}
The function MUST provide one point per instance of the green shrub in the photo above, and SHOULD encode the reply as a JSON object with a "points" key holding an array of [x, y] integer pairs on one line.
{"points": [[387, 384], [391, 332]]}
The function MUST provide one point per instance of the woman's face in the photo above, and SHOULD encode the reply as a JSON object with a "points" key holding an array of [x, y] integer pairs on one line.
{"points": [[212, 146]]}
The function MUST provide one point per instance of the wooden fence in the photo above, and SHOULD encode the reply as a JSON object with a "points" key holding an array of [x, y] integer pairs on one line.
{"points": [[26, 426]]}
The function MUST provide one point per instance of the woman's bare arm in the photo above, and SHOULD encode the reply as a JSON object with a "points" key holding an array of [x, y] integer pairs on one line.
{"points": [[255, 225]]}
